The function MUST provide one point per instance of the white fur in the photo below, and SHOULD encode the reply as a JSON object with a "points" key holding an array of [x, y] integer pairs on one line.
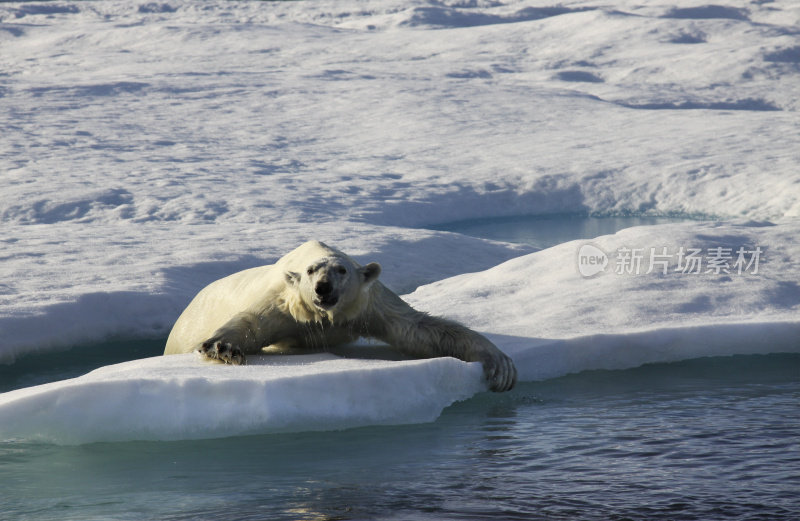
{"points": [[314, 297]]}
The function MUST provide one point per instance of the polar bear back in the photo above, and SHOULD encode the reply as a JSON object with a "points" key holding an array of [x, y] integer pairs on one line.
{"points": [[218, 302]]}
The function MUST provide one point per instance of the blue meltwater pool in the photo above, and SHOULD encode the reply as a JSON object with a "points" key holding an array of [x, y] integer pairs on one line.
{"points": [[705, 439]]}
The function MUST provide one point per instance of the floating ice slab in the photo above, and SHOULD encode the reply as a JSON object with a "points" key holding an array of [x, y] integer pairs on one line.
{"points": [[182, 397]]}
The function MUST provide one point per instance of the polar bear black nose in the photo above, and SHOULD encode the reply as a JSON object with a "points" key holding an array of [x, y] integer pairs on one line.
{"points": [[323, 288]]}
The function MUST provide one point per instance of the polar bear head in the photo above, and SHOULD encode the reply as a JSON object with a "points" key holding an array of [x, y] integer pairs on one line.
{"points": [[333, 284]]}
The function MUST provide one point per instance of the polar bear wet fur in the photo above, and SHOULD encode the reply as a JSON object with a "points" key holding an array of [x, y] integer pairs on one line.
{"points": [[314, 297]]}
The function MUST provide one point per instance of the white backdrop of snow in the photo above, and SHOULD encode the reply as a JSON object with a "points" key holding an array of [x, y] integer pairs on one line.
{"points": [[149, 148]]}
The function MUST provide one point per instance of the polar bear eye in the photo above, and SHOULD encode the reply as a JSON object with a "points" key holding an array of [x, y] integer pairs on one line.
{"points": [[342, 270], [310, 271]]}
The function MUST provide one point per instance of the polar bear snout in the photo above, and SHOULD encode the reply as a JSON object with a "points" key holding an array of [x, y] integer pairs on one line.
{"points": [[323, 288], [325, 298]]}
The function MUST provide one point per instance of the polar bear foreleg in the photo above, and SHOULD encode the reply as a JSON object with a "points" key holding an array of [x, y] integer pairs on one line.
{"points": [[246, 333], [433, 336], [421, 335]]}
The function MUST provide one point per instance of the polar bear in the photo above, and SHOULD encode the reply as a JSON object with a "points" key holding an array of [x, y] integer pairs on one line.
{"points": [[316, 297]]}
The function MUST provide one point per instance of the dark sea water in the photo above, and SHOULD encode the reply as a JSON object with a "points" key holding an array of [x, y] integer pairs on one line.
{"points": [[704, 439]]}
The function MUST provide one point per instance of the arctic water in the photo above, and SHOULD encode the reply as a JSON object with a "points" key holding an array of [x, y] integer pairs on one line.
{"points": [[543, 231], [712, 438]]}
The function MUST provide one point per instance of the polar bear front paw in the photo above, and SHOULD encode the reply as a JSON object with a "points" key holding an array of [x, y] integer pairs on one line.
{"points": [[500, 373], [498, 369], [223, 351]]}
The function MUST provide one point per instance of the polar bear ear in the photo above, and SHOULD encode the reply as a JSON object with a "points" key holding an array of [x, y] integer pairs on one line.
{"points": [[370, 272], [292, 278]]}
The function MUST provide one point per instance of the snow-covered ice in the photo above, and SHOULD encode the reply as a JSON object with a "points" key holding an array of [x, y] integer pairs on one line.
{"points": [[151, 147], [662, 308]]}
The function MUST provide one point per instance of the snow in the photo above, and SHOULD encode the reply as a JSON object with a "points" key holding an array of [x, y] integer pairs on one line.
{"points": [[151, 147]]}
